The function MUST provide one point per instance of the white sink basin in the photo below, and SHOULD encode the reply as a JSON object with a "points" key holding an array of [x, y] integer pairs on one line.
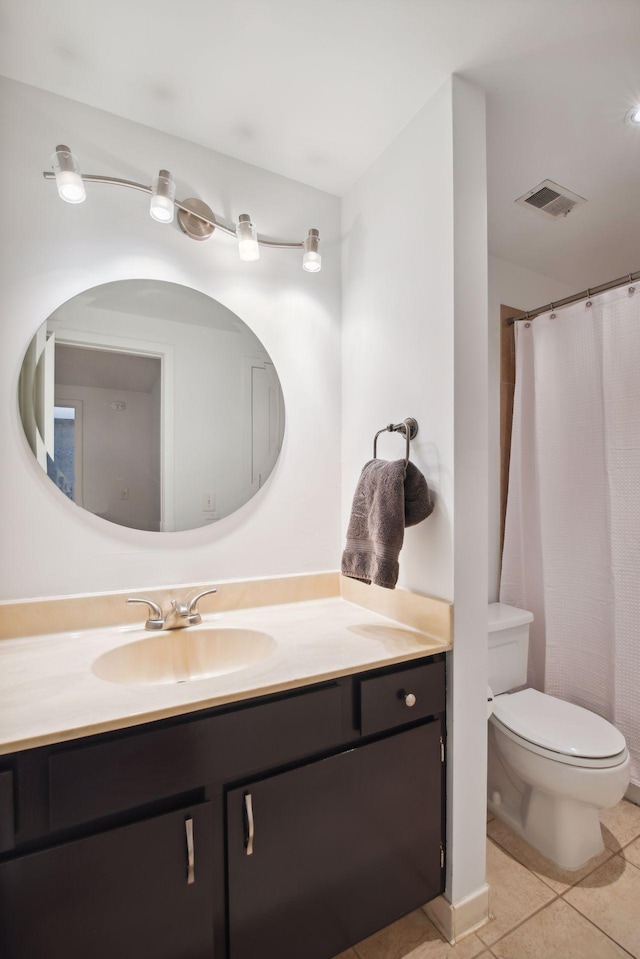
{"points": [[182, 655]]}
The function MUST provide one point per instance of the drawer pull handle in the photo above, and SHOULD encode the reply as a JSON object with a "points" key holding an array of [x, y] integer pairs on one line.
{"points": [[248, 808], [191, 859], [409, 698]]}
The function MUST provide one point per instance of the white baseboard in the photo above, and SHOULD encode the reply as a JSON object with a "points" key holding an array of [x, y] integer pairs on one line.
{"points": [[633, 794], [456, 920]]}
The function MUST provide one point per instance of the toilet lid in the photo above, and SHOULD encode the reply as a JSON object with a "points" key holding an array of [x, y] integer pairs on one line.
{"points": [[556, 725]]}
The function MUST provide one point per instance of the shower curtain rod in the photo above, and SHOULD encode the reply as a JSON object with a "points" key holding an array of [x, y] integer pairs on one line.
{"points": [[585, 295]]}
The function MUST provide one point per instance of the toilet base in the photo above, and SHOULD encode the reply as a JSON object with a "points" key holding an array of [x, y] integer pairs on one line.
{"points": [[567, 833], [544, 801]]}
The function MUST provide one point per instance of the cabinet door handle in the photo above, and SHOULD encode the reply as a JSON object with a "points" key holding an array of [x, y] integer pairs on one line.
{"points": [[191, 858], [248, 809]]}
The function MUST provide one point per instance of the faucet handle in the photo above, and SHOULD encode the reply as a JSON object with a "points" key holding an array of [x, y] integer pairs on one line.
{"points": [[194, 615], [153, 622], [179, 607]]}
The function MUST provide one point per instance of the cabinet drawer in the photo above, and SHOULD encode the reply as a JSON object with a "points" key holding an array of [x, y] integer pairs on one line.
{"points": [[384, 703], [139, 768], [7, 817]]}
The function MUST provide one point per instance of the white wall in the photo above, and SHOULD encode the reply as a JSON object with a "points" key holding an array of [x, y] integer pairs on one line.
{"points": [[509, 285], [467, 692], [53, 250], [397, 314], [414, 287]]}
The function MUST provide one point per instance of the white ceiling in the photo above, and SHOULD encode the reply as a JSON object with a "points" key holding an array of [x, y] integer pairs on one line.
{"points": [[316, 89]]}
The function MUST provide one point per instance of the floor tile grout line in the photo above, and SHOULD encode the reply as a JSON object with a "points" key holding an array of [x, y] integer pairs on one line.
{"points": [[518, 924], [631, 842], [546, 906], [571, 885], [621, 848], [529, 870], [556, 897], [603, 931], [628, 862]]}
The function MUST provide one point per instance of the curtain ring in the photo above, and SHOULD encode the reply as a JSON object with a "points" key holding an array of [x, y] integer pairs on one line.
{"points": [[588, 303], [552, 315]]}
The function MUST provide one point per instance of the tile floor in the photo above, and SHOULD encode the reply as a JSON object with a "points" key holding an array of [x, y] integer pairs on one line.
{"points": [[539, 911]]}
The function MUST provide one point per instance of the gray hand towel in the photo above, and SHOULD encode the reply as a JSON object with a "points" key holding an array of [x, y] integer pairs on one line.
{"points": [[388, 497]]}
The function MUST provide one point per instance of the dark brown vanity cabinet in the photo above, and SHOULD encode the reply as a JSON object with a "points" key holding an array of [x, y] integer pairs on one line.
{"points": [[321, 856], [287, 826], [144, 891]]}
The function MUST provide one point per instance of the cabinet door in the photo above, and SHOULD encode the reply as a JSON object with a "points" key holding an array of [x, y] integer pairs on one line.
{"points": [[339, 848], [124, 893]]}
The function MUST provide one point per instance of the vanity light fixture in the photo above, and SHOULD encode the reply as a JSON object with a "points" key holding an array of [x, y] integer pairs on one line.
{"points": [[311, 259], [195, 218], [247, 239], [67, 175], [163, 194], [633, 116]]}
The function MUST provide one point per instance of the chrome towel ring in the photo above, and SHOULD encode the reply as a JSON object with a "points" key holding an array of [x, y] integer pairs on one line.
{"points": [[408, 427]]}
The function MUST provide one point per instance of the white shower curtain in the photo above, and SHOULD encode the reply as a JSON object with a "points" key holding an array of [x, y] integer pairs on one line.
{"points": [[572, 535]]}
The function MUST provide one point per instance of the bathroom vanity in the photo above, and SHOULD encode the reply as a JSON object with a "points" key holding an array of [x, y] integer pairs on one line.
{"points": [[283, 825]]}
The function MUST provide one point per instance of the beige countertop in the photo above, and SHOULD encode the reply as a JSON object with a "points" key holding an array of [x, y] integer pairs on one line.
{"points": [[49, 694]]}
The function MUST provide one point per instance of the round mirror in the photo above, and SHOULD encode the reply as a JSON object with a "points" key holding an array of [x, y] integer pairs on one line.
{"points": [[151, 405]]}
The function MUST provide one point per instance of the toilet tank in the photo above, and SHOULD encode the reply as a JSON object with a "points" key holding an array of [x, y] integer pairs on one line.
{"points": [[508, 646]]}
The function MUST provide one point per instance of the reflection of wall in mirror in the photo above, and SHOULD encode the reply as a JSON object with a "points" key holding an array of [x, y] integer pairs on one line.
{"points": [[267, 421], [214, 411]]}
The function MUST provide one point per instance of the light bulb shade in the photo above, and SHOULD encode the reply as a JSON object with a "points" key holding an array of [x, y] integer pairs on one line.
{"points": [[163, 193], [247, 239], [311, 259], [68, 179]]}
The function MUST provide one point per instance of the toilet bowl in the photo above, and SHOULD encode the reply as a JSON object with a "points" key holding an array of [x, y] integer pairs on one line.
{"points": [[552, 765]]}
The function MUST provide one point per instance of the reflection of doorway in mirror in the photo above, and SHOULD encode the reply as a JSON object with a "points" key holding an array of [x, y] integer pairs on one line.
{"points": [[116, 444], [66, 467]]}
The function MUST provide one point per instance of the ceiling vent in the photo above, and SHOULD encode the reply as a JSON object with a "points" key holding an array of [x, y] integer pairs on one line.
{"points": [[550, 199]]}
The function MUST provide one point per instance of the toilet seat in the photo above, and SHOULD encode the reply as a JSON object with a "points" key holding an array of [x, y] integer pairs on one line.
{"points": [[561, 731]]}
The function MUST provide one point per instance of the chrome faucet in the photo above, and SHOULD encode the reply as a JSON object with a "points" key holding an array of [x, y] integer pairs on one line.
{"points": [[178, 615]]}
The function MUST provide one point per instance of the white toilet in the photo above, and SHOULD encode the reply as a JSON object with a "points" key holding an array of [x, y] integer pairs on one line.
{"points": [[552, 765]]}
